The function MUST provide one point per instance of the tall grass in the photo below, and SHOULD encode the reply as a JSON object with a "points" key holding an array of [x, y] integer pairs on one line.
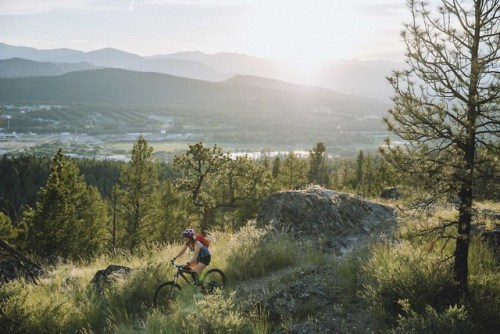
{"points": [[408, 285], [65, 301], [255, 252]]}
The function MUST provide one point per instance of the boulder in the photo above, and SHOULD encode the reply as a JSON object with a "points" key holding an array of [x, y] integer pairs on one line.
{"points": [[390, 193], [318, 211], [107, 276]]}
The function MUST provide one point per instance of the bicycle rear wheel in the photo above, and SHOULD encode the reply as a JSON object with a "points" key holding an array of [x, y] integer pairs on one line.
{"points": [[165, 294], [213, 279]]}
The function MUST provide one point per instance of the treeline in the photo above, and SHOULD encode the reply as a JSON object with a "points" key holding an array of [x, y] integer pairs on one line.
{"points": [[79, 208]]}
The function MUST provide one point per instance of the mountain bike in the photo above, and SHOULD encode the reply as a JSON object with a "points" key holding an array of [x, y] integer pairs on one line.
{"points": [[209, 282]]}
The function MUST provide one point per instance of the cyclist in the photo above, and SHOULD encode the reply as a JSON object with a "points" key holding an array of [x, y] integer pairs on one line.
{"points": [[201, 257]]}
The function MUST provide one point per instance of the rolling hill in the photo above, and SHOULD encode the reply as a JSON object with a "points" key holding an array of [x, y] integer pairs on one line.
{"points": [[20, 68], [243, 109], [128, 87]]}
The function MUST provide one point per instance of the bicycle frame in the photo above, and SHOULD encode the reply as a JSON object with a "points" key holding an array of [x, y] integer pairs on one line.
{"points": [[181, 271]]}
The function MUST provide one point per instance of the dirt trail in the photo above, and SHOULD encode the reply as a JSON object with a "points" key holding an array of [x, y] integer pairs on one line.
{"points": [[304, 299]]}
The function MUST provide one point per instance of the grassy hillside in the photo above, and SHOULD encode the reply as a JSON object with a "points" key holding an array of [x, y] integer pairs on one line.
{"points": [[393, 284]]}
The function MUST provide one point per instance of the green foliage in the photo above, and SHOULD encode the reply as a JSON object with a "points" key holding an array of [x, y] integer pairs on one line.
{"points": [[405, 271], [140, 196], [249, 253], [294, 172], [27, 308], [317, 165], [69, 217], [216, 313], [20, 180], [453, 320], [8, 231], [219, 187], [200, 166], [411, 271], [446, 109]]}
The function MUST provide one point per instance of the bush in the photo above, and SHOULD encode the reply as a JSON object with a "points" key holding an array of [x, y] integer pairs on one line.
{"points": [[398, 271], [256, 252], [452, 320], [408, 271]]}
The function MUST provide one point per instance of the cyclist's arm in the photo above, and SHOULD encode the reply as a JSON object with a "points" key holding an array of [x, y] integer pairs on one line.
{"points": [[183, 250]]}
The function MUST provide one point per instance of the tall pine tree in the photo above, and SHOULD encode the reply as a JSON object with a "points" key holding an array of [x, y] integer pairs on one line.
{"points": [[69, 217], [140, 198], [446, 106]]}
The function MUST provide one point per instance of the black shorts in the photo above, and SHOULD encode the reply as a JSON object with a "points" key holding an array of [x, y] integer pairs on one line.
{"points": [[205, 260]]}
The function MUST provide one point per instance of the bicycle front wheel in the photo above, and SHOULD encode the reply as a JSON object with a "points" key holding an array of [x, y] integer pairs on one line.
{"points": [[213, 279], [165, 294]]}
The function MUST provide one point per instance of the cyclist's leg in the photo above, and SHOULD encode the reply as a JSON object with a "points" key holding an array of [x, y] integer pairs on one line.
{"points": [[199, 267], [196, 272]]}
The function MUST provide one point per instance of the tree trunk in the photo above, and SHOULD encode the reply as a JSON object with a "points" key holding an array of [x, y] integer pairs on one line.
{"points": [[465, 209], [461, 254]]}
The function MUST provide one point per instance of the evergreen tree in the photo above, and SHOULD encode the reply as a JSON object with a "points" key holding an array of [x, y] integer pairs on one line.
{"points": [[317, 165], [220, 186], [174, 216], [276, 169], [140, 197], [446, 106], [69, 216], [294, 172], [7, 231], [200, 166], [115, 233], [360, 161]]}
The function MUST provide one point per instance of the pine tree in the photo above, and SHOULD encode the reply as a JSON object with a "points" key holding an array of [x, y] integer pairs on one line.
{"points": [[69, 216], [446, 106], [294, 172], [317, 165], [140, 197]]}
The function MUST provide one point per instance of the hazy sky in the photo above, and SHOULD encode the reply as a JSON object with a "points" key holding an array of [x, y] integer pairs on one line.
{"points": [[301, 31]]}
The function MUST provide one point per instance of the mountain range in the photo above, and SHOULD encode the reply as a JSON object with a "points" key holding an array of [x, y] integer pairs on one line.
{"points": [[361, 78], [223, 98]]}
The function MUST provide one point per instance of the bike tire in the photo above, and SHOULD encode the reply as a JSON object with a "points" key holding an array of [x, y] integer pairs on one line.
{"points": [[165, 294], [212, 280]]}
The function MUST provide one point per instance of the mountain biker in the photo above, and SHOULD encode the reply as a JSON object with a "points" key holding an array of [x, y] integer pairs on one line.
{"points": [[201, 257]]}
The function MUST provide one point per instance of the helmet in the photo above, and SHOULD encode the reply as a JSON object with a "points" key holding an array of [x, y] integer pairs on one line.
{"points": [[188, 233]]}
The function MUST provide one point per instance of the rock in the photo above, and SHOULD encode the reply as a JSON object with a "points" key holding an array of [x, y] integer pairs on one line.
{"points": [[318, 211], [12, 269], [107, 276], [390, 193]]}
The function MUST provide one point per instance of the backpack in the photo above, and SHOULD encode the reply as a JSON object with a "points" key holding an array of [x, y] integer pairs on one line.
{"points": [[201, 238]]}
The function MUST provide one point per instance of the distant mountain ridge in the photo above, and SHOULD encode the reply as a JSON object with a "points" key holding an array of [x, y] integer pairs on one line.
{"points": [[20, 68], [362, 78], [128, 87]]}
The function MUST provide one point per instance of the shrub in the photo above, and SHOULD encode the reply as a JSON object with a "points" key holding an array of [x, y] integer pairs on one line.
{"points": [[398, 271], [452, 320], [256, 252]]}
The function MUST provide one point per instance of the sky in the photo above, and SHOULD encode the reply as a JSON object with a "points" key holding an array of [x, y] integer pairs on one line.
{"points": [[303, 32]]}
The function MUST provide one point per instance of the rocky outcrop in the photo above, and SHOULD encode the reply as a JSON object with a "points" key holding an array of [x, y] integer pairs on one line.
{"points": [[318, 211], [106, 276]]}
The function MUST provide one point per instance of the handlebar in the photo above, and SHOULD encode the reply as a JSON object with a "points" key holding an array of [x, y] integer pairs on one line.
{"points": [[180, 266]]}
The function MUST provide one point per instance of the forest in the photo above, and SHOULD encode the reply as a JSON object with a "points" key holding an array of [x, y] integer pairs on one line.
{"points": [[166, 197]]}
